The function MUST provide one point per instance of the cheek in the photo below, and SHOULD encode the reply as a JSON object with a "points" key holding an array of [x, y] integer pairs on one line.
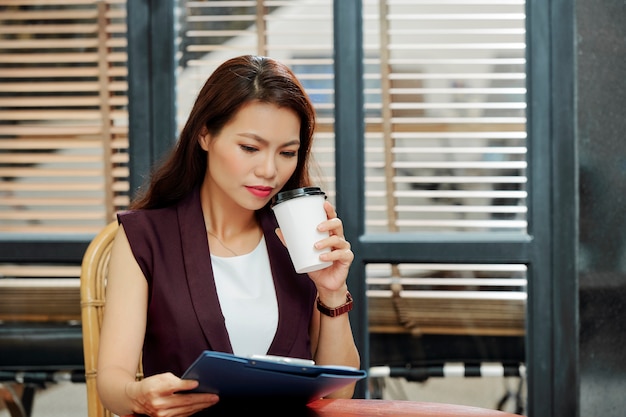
{"points": [[225, 164], [287, 168]]}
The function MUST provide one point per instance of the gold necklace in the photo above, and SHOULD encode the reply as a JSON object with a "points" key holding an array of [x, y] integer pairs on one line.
{"points": [[221, 243]]}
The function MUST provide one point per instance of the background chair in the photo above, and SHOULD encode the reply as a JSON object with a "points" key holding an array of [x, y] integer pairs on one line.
{"points": [[93, 277]]}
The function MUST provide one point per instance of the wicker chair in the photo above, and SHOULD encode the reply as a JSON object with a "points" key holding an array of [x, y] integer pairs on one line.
{"points": [[92, 298]]}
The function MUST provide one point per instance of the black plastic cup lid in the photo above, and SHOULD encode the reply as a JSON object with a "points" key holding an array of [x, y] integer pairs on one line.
{"points": [[295, 193]]}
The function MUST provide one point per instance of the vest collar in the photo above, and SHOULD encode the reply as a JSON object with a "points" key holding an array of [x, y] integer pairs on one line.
{"points": [[203, 292]]}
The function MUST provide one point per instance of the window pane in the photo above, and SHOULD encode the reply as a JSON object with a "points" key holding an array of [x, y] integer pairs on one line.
{"points": [[445, 149], [298, 33], [445, 106], [63, 116]]}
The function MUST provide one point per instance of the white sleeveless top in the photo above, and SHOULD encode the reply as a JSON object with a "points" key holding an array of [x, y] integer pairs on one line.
{"points": [[245, 289]]}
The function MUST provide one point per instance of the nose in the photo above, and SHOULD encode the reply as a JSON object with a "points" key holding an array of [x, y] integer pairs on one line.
{"points": [[266, 167]]}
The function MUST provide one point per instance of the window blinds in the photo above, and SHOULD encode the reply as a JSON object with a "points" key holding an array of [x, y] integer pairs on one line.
{"points": [[445, 105], [446, 134], [444, 96], [445, 126], [63, 119]]}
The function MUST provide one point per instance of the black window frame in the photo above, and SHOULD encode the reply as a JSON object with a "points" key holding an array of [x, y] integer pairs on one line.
{"points": [[548, 249]]}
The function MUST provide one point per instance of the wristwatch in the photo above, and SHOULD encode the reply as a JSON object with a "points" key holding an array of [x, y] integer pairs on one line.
{"points": [[337, 311]]}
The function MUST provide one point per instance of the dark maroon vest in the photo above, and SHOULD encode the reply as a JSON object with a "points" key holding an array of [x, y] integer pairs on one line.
{"points": [[184, 316]]}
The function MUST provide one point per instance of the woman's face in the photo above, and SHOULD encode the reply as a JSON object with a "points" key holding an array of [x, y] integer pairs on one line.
{"points": [[253, 156]]}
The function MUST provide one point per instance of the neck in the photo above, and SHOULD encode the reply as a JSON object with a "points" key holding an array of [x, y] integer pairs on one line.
{"points": [[223, 217], [231, 231]]}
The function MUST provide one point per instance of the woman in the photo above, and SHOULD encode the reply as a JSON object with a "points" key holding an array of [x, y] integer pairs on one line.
{"points": [[199, 263]]}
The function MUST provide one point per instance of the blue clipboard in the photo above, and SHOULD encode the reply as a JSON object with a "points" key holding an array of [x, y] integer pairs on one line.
{"points": [[267, 378]]}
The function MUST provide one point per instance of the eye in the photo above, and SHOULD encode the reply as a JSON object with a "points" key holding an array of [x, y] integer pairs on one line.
{"points": [[249, 149], [289, 154]]}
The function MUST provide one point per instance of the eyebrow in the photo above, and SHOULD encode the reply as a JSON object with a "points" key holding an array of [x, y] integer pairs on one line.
{"points": [[265, 141]]}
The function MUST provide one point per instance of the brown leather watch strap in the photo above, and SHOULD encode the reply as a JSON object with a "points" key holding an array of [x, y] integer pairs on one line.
{"points": [[337, 311]]}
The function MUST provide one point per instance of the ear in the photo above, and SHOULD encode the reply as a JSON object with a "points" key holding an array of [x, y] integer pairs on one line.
{"points": [[204, 139]]}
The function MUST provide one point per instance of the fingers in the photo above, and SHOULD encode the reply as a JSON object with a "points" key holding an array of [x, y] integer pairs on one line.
{"points": [[188, 404], [330, 210], [342, 254], [185, 385], [180, 404], [334, 226], [333, 278], [333, 242], [340, 247], [166, 395]]}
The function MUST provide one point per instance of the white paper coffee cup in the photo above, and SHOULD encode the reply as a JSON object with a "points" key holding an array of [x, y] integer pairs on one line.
{"points": [[299, 212]]}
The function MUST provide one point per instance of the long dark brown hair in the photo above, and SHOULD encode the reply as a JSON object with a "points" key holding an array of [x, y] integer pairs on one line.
{"points": [[233, 84]]}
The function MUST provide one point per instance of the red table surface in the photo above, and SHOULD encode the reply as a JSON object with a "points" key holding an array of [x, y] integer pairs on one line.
{"points": [[381, 408]]}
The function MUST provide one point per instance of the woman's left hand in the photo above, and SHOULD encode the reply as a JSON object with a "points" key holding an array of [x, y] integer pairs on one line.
{"points": [[333, 278]]}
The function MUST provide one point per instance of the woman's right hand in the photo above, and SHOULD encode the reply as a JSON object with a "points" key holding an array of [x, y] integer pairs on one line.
{"points": [[163, 395]]}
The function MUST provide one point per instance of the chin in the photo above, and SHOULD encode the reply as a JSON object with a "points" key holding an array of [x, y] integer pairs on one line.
{"points": [[256, 205]]}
